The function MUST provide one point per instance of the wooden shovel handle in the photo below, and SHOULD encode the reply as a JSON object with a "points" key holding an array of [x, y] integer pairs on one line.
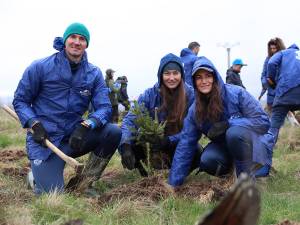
{"points": [[69, 160]]}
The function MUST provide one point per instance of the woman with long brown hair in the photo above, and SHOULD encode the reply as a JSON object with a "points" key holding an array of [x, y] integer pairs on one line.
{"points": [[171, 96], [274, 45], [234, 122]]}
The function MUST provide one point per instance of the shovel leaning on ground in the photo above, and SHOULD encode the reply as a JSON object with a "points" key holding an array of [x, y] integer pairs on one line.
{"points": [[69, 160]]}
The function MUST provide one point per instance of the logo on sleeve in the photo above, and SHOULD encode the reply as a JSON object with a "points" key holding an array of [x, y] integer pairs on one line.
{"points": [[85, 93]]}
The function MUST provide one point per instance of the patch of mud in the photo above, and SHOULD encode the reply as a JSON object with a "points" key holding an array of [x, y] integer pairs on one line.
{"points": [[15, 171], [287, 222], [11, 155], [154, 189]]}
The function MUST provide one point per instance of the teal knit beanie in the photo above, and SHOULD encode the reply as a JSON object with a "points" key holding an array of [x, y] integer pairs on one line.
{"points": [[77, 28]]}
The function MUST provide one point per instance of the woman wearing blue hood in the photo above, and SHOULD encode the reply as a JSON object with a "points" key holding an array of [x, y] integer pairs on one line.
{"points": [[231, 118], [172, 97]]}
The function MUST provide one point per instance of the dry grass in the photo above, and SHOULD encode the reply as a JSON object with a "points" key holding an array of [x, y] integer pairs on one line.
{"points": [[18, 215], [153, 189], [289, 139]]}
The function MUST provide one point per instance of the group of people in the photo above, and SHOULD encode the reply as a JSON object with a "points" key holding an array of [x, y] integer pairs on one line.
{"points": [[189, 96], [117, 93]]}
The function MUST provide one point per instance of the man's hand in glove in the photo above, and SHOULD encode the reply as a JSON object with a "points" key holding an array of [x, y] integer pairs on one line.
{"points": [[161, 144], [39, 133], [78, 136], [217, 129], [128, 158]]}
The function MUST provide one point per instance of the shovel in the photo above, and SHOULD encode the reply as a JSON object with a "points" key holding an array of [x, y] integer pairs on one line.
{"points": [[69, 160]]}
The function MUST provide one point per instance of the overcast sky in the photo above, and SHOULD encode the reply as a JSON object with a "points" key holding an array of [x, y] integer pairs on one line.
{"points": [[132, 36]]}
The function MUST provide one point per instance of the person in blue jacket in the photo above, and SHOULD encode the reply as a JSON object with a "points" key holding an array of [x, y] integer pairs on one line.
{"points": [[286, 83], [274, 45], [188, 57], [172, 97], [234, 122], [52, 97]]}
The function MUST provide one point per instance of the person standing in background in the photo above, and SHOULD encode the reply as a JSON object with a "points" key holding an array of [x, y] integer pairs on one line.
{"points": [[188, 57], [113, 94], [274, 45], [233, 73]]}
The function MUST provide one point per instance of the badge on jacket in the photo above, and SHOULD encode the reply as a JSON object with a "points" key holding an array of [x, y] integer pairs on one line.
{"points": [[85, 93]]}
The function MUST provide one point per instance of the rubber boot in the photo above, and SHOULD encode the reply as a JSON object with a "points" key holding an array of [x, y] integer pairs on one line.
{"points": [[91, 172]]}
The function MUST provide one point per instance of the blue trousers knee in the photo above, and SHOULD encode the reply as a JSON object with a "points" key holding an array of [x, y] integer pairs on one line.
{"points": [[48, 174], [217, 158]]}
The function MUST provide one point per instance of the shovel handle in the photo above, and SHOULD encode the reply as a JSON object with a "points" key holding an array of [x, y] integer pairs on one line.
{"points": [[69, 160]]}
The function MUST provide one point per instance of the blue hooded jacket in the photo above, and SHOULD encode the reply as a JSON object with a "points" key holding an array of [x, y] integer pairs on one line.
{"points": [[264, 82], [188, 58], [240, 109], [151, 99], [287, 62], [50, 93]]}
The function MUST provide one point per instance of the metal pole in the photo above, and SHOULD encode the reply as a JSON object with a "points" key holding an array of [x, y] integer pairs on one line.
{"points": [[228, 57], [228, 46]]}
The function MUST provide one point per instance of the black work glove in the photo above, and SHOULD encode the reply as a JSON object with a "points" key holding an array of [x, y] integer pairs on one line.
{"points": [[39, 133], [161, 144], [217, 129], [128, 158], [78, 136]]}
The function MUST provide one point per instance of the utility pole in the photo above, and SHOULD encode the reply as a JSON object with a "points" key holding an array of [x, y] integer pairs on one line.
{"points": [[228, 46]]}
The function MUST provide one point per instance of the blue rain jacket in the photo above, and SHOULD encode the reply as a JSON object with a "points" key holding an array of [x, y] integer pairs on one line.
{"points": [[50, 93], [151, 99], [188, 58], [287, 63], [240, 109], [270, 91]]}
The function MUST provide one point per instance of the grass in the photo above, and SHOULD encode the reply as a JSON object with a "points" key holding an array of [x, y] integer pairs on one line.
{"points": [[280, 193]]}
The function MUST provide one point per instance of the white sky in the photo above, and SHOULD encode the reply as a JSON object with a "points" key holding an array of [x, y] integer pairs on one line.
{"points": [[132, 36]]}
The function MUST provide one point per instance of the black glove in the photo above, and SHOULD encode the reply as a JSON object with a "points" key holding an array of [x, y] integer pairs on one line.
{"points": [[161, 144], [128, 157], [39, 133], [217, 129], [78, 136]]}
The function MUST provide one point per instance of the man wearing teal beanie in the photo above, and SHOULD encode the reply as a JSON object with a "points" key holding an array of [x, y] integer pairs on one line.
{"points": [[51, 98], [77, 28]]}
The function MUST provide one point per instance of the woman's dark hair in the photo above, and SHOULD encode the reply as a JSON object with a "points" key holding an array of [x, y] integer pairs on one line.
{"points": [[209, 106], [174, 103], [278, 43]]}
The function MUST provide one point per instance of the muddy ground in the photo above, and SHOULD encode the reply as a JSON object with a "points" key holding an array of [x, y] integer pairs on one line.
{"points": [[154, 189]]}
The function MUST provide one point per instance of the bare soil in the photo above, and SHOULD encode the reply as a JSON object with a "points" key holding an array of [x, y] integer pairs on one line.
{"points": [[154, 189], [15, 171], [11, 155]]}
